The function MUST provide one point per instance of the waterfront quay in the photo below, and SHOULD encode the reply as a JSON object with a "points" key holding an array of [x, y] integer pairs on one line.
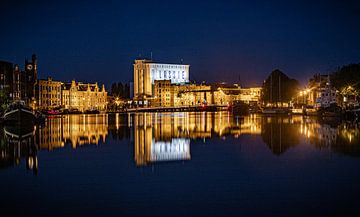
{"points": [[179, 108], [164, 87]]}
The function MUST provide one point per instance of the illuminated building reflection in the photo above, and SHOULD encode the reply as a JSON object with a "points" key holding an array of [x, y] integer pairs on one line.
{"points": [[76, 130], [167, 136], [340, 137], [159, 137], [24, 142]]}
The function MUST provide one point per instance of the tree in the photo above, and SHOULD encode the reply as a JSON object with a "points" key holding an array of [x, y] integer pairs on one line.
{"points": [[127, 91], [4, 100], [279, 88], [347, 81], [346, 76], [121, 90], [114, 90]]}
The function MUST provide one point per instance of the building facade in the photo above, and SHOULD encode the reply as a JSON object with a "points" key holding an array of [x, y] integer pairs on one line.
{"points": [[48, 94], [167, 94], [77, 95], [163, 92], [146, 72], [30, 78], [17, 84], [192, 94], [6, 78]]}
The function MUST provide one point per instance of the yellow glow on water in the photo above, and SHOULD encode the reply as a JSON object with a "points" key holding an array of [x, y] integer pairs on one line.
{"points": [[117, 120]]}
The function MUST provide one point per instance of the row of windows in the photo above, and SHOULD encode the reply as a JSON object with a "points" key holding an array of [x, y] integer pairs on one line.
{"points": [[327, 94], [51, 96], [51, 88], [169, 74], [159, 90], [49, 102], [169, 66]]}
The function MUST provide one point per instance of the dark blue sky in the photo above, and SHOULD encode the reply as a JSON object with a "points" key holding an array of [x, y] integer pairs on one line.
{"points": [[98, 41]]}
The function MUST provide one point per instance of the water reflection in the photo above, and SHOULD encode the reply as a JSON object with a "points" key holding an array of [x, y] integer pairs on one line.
{"points": [[159, 137], [280, 133], [341, 138], [167, 136], [17, 144], [76, 130]]}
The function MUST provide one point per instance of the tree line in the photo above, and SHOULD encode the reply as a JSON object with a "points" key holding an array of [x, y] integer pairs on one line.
{"points": [[279, 88], [120, 90], [346, 76]]}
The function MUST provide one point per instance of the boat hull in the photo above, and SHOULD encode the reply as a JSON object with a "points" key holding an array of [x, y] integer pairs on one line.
{"points": [[19, 116]]}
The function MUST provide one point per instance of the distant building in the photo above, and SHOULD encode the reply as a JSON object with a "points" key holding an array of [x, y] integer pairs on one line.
{"points": [[48, 94], [6, 78], [162, 93], [83, 96], [192, 94], [167, 85], [167, 94], [17, 84], [147, 72], [251, 94], [31, 77], [225, 94]]}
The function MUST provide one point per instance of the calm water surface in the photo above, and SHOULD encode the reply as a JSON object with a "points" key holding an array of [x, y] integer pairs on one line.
{"points": [[181, 164]]}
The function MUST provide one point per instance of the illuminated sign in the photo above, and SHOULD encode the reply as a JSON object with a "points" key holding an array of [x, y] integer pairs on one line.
{"points": [[176, 73], [176, 149]]}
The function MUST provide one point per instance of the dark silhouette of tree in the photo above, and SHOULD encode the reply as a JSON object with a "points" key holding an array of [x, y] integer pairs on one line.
{"points": [[120, 90], [4, 100], [114, 90], [127, 91], [278, 87], [279, 134], [346, 76]]}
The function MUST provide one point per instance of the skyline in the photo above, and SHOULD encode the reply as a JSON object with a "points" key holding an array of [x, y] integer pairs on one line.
{"points": [[97, 42]]}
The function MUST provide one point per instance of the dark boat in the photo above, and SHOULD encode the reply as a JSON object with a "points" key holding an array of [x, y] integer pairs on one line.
{"points": [[332, 111], [276, 111], [239, 108], [19, 114], [92, 111], [19, 132]]}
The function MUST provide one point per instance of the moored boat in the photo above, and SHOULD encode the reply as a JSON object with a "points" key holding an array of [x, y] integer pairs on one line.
{"points": [[18, 113], [275, 111], [239, 108]]}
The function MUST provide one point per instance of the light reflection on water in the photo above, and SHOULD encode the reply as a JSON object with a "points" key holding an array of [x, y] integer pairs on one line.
{"points": [[180, 164], [160, 137]]}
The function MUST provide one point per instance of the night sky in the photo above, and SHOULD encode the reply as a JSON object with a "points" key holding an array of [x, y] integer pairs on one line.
{"points": [[221, 40]]}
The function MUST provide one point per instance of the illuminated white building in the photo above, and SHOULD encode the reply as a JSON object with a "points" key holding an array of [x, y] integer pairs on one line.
{"points": [[176, 149], [147, 72]]}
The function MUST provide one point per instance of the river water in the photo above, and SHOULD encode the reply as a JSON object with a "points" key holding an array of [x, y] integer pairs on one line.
{"points": [[181, 164]]}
